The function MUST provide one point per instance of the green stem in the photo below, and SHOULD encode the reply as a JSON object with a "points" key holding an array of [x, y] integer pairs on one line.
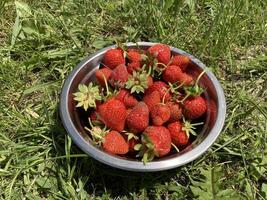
{"points": [[196, 124], [164, 96], [94, 134], [106, 84], [175, 88], [165, 66], [186, 96], [175, 147], [149, 71], [199, 76], [90, 122]]}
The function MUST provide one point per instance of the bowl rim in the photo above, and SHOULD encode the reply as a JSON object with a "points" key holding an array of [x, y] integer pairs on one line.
{"points": [[138, 166]]}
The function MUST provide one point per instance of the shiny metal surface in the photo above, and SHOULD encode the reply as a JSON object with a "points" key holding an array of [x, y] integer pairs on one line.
{"points": [[72, 122]]}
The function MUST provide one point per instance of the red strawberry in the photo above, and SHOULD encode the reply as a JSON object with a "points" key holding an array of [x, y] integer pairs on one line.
{"points": [[115, 143], [160, 138], [101, 73], [149, 81], [113, 114], [125, 97], [161, 87], [134, 56], [179, 137], [138, 119], [182, 139], [119, 76], [172, 73], [194, 107], [181, 61], [160, 113], [162, 52], [113, 58], [152, 99], [121, 94], [176, 111], [130, 101], [133, 66], [186, 79]]}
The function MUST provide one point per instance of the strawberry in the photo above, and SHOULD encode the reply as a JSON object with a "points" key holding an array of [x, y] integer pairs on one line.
{"points": [[181, 61], [161, 87], [113, 114], [133, 66], [121, 94], [156, 141], [160, 113], [114, 143], [113, 58], [125, 97], [172, 73], [102, 74], [119, 76], [194, 107], [161, 52], [93, 116], [152, 99], [138, 119], [179, 137], [134, 56], [176, 111], [186, 79], [130, 101]]}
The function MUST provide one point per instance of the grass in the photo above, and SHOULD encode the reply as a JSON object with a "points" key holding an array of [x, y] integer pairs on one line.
{"points": [[42, 41]]}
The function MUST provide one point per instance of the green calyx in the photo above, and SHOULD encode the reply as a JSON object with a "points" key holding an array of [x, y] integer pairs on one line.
{"points": [[121, 46], [97, 133], [130, 136], [190, 128], [195, 90], [87, 96], [157, 71], [174, 88], [146, 149], [152, 65], [137, 82]]}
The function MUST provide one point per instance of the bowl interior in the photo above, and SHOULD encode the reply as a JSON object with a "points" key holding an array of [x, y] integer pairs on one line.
{"points": [[86, 75]]}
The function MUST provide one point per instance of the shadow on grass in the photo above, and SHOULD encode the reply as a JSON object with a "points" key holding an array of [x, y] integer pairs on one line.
{"points": [[103, 179]]}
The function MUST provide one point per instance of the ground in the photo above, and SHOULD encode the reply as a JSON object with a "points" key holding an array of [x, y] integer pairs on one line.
{"points": [[42, 41]]}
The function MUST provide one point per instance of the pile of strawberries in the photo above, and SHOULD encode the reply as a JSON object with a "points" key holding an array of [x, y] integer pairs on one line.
{"points": [[143, 103]]}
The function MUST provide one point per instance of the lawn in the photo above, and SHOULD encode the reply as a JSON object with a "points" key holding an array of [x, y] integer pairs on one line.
{"points": [[42, 41]]}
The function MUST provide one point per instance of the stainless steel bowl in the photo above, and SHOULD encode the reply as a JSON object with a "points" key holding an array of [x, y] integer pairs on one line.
{"points": [[214, 119]]}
